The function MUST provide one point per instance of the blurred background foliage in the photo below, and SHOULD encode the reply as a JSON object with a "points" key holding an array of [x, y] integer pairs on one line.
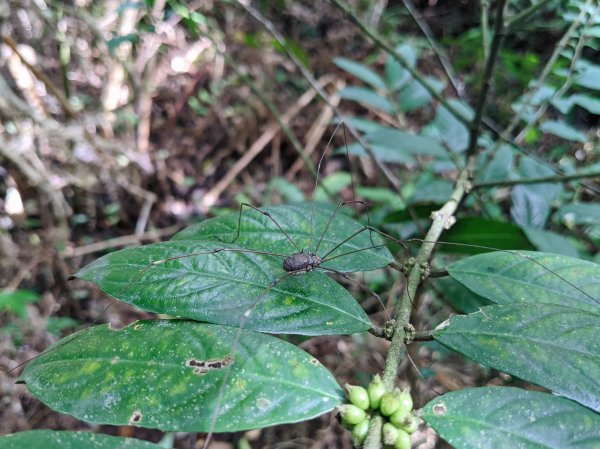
{"points": [[123, 121]]}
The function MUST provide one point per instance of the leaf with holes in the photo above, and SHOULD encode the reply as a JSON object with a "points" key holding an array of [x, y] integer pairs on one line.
{"points": [[168, 374], [511, 418], [532, 277], [553, 346]]}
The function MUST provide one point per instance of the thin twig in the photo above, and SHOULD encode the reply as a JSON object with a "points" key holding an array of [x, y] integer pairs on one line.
{"points": [[566, 85], [271, 130], [402, 60], [315, 133], [64, 102], [126, 240], [456, 84], [392, 179], [486, 78], [273, 109], [421, 336], [539, 82]]}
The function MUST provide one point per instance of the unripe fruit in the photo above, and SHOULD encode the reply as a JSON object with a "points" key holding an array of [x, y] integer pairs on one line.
{"points": [[389, 403], [411, 424], [359, 433], [403, 440], [358, 396], [399, 418], [376, 390], [406, 402], [390, 433], [351, 414]]}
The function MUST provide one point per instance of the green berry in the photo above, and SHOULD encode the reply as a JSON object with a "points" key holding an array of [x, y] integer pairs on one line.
{"points": [[389, 433], [376, 390], [403, 440], [410, 424], [351, 414], [359, 433], [399, 418], [389, 403], [358, 396], [406, 402]]}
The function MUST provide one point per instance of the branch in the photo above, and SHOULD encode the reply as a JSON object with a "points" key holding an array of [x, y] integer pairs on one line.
{"points": [[457, 85], [403, 62], [64, 102], [541, 180], [487, 76], [420, 336], [389, 175]]}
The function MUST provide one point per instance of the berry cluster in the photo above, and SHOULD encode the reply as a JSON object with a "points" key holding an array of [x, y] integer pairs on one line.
{"points": [[395, 407]]}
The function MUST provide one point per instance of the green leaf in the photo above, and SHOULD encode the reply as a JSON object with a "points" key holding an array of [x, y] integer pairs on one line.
{"points": [[168, 374], [222, 287], [580, 214], [367, 97], [395, 74], [459, 297], [531, 277], [529, 208], [500, 167], [260, 233], [588, 76], [550, 242], [414, 96], [50, 439], [114, 43], [588, 103], [409, 143], [469, 232], [361, 124], [16, 301], [431, 189], [381, 195], [563, 130], [452, 132], [383, 153], [553, 346], [360, 71], [531, 203], [511, 418]]}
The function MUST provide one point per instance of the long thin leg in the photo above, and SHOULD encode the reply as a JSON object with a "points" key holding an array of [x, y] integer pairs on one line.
{"points": [[333, 215], [266, 214], [312, 215], [245, 318], [489, 248], [361, 286], [325, 258], [508, 251]]}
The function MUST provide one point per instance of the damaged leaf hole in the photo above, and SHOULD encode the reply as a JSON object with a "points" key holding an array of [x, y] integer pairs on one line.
{"points": [[439, 409], [137, 327], [136, 417], [204, 366], [314, 362]]}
